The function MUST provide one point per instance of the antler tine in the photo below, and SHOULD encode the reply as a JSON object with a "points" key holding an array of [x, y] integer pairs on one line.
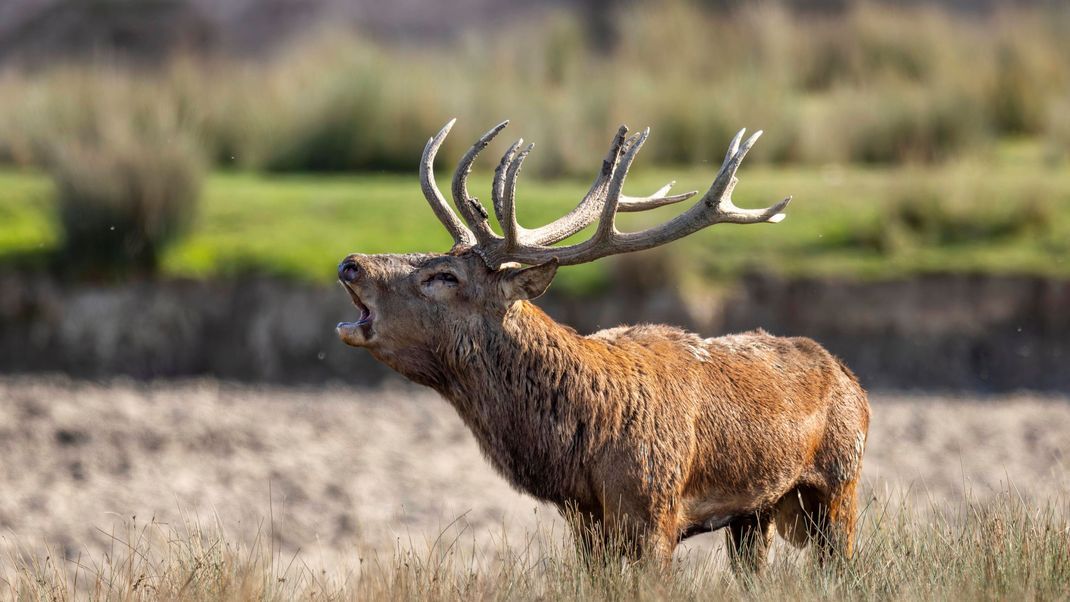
{"points": [[733, 146], [630, 142], [720, 193], [511, 230], [735, 157], [607, 228], [461, 234], [658, 199], [590, 207], [497, 190], [612, 156], [471, 209]]}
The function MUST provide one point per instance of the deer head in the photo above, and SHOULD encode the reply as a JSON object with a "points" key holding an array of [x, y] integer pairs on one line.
{"points": [[415, 306]]}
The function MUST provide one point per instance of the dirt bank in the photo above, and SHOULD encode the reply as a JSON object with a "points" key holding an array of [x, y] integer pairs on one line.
{"points": [[952, 332]]}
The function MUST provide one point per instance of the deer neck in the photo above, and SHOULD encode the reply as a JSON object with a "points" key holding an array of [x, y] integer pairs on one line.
{"points": [[516, 387]]}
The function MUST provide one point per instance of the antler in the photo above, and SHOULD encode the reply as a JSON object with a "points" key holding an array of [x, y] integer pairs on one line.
{"points": [[602, 203], [460, 234]]}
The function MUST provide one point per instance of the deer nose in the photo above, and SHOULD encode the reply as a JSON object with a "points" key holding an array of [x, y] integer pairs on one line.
{"points": [[348, 271]]}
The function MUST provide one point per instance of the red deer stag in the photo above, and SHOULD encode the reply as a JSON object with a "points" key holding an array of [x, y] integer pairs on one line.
{"points": [[647, 426]]}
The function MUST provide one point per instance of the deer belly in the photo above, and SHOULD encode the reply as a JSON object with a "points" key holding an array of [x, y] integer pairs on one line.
{"points": [[754, 473], [719, 503]]}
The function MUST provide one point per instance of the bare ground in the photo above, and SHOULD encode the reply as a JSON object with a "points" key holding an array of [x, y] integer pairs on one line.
{"points": [[330, 471]]}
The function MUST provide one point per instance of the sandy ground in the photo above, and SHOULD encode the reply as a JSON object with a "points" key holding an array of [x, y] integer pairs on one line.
{"points": [[326, 469]]}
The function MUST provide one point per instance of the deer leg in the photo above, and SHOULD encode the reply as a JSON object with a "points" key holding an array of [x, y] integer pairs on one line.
{"points": [[800, 515], [635, 536], [835, 523], [624, 536], [748, 538], [662, 540]]}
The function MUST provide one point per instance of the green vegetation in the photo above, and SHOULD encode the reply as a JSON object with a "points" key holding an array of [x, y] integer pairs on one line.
{"points": [[26, 224], [875, 84], [913, 141], [124, 196], [1010, 217], [1003, 549]]}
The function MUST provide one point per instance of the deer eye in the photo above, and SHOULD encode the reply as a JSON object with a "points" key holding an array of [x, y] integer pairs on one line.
{"points": [[445, 277]]}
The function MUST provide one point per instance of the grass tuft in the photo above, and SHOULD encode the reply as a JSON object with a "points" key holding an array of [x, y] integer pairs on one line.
{"points": [[124, 195]]}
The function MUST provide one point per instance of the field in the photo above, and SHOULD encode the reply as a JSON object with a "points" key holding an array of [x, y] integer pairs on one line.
{"points": [[203, 489], [1007, 214]]}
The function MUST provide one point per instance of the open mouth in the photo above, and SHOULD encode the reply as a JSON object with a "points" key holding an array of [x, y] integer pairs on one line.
{"points": [[364, 323]]}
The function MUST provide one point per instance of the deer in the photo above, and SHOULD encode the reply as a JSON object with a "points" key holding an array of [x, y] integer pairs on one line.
{"points": [[648, 432]]}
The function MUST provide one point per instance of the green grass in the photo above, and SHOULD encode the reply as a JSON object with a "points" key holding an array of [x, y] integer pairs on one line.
{"points": [[843, 222], [25, 214]]}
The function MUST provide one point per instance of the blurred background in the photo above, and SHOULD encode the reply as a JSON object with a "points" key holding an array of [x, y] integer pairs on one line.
{"points": [[179, 179]]}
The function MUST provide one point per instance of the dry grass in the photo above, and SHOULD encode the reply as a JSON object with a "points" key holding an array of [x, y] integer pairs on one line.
{"points": [[996, 550], [204, 490]]}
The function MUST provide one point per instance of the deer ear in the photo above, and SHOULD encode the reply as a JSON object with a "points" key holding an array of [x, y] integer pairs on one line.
{"points": [[528, 283]]}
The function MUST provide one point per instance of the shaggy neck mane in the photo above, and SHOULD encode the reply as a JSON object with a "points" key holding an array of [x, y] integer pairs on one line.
{"points": [[515, 385]]}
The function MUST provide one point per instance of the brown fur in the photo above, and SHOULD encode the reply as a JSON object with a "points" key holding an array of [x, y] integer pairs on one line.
{"points": [[647, 428]]}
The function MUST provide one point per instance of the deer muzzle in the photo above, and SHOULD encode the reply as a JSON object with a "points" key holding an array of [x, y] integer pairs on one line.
{"points": [[359, 332]]}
